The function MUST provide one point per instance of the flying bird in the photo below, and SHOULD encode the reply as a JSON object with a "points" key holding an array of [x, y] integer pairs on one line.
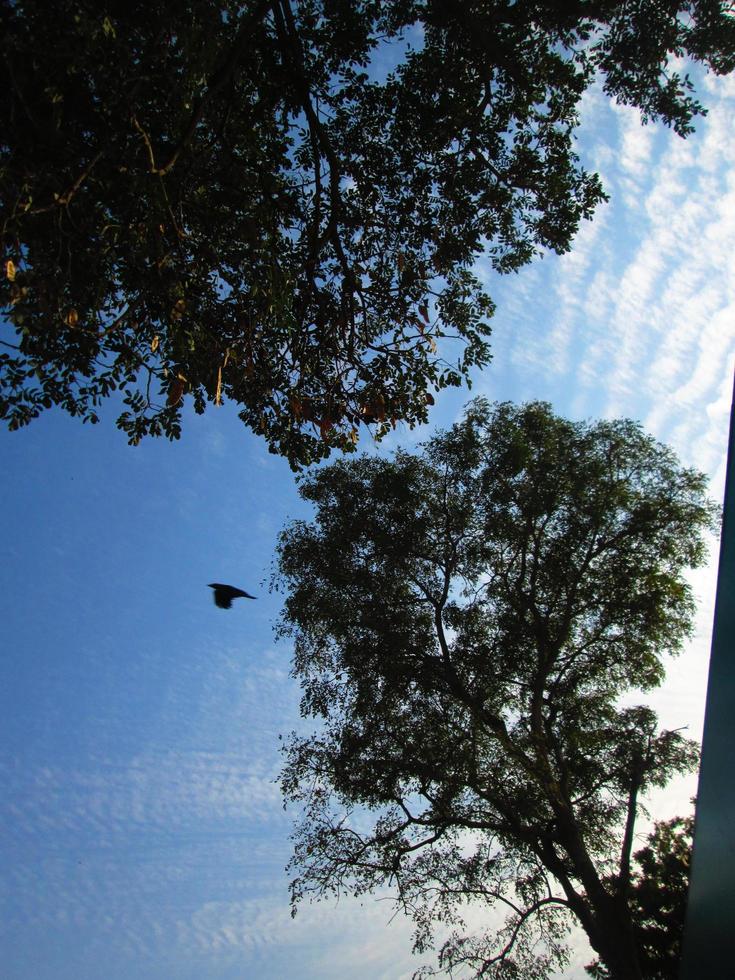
{"points": [[224, 594]]}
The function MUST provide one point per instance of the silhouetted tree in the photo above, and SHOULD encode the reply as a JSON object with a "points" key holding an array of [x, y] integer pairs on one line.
{"points": [[247, 201], [466, 621]]}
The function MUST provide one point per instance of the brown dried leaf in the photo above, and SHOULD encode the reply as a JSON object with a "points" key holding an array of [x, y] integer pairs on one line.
{"points": [[176, 391]]}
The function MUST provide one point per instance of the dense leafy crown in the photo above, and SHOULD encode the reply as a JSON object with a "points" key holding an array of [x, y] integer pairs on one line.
{"points": [[466, 622], [225, 200]]}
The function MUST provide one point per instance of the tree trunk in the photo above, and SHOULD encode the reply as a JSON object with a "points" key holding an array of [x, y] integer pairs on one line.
{"points": [[605, 917], [614, 940], [609, 930]]}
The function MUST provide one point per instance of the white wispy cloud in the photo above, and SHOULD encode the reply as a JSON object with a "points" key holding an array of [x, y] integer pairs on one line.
{"points": [[638, 318]]}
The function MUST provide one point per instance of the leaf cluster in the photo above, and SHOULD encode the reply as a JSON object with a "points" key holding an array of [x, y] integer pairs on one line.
{"points": [[210, 201]]}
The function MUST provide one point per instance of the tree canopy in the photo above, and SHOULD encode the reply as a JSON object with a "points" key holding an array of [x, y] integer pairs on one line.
{"points": [[469, 623], [280, 202]]}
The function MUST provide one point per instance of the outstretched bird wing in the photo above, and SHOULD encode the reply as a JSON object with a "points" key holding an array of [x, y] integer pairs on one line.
{"points": [[224, 594]]}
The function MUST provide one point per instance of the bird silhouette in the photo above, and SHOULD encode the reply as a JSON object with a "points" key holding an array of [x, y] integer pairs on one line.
{"points": [[224, 594]]}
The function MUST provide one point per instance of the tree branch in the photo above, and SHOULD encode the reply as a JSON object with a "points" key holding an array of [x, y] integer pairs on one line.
{"points": [[623, 883], [290, 40], [217, 81]]}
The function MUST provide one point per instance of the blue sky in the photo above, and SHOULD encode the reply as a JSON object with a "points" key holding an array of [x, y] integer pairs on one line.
{"points": [[141, 830]]}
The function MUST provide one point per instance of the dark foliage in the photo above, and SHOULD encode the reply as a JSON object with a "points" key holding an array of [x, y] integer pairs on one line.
{"points": [[227, 200]]}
